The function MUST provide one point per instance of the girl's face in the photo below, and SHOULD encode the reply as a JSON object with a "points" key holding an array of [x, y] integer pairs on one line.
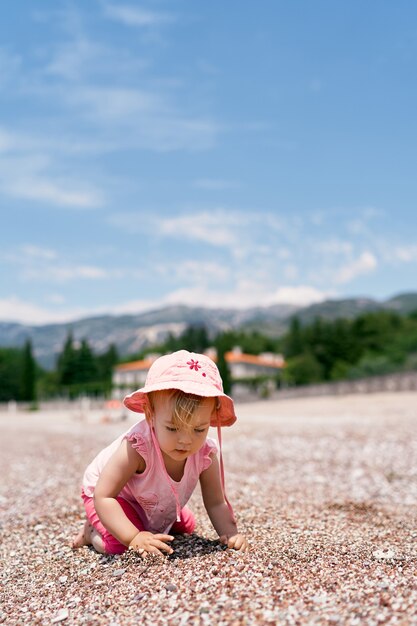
{"points": [[180, 443]]}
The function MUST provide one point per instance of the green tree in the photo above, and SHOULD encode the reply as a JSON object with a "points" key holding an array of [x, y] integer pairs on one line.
{"points": [[304, 369], [293, 342], [86, 370], [372, 365], [194, 338], [67, 362], [106, 363], [340, 370], [170, 345], [10, 374], [28, 374], [374, 329], [224, 368], [47, 384], [78, 369]]}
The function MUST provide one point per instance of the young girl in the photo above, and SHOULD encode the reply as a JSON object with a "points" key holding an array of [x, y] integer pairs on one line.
{"points": [[135, 490]]}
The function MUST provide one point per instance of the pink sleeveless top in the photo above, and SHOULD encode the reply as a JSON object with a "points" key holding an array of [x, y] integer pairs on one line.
{"points": [[150, 493]]}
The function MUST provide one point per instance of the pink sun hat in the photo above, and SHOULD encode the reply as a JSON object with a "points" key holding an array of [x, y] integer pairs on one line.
{"points": [[192, 373]]}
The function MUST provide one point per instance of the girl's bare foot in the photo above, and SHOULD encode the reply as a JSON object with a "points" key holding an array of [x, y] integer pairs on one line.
{"points": [[84, 537]]}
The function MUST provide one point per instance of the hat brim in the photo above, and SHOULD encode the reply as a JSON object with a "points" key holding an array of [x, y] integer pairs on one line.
{"points": [[225, 414]]}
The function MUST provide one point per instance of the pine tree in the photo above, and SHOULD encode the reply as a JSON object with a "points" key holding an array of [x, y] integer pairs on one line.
{"points": [[28, 382], [86, 369], [293, 342], [10, 374], [66, 365], [224, 369], [106, 362], [195, 338]]}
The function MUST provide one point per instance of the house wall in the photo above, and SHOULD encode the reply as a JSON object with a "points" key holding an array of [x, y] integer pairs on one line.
{"points": [[134, 377], [250, 370], [126, 381]]}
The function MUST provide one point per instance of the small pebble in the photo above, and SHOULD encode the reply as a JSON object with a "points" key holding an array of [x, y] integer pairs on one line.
{"points": [[312, 558], [139, 596], [204, 609], [118, 573], [60, 616], [384, 554]]}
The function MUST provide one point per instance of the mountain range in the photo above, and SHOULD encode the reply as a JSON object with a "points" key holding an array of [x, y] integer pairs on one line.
{"points": [[131, 333]]}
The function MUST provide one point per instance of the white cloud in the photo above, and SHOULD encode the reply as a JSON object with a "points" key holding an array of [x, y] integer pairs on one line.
{"points": [[85, 271], [37, 150], [83, 61], [200, 272], [223, 227], [13, 143], [200, 296], [334, 246], [131, 307], [56, 192], [404, 253], [140, 118], [55, 298], [246, 294], [371, 212], [114, 104], [5, 141], [357, 226], [36, 252], [40, 264], [302, 295], [317, 217], [248, 239], [28, 173], [360, 224], [91, 89], [218, 228], [15, 309], [135, 16], [364, 264], [60, 274], [27, 255], [71, 59]]}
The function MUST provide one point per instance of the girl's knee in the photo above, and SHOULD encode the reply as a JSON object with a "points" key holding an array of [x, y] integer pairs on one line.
{"points": [[97, 542]]}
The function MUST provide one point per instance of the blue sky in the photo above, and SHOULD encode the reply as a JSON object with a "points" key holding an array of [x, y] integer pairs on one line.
{"points": [[205, 153]]}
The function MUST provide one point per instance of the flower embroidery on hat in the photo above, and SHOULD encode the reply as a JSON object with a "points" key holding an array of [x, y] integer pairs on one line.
{"points": [[194, 365]]}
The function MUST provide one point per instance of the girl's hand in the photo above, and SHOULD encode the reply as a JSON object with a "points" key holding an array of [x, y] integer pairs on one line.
{"points": [[145, 541], [237, 542]]}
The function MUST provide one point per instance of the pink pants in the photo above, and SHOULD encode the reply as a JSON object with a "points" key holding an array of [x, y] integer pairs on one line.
{"points": [[111, 544]]}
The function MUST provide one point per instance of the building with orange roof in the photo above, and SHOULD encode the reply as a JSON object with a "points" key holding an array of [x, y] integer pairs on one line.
{"points": [[243, 367], [130, 376]]}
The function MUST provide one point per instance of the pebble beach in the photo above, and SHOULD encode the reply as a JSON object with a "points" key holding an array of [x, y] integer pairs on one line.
{"points": [[324, 488]]}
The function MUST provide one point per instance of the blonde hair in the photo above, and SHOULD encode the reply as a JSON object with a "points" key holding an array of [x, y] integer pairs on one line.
{"points": [[184, 406]]}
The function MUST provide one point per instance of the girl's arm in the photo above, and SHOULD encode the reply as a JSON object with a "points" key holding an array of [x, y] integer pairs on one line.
{"points": [[117, 471], [217, 509]]}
